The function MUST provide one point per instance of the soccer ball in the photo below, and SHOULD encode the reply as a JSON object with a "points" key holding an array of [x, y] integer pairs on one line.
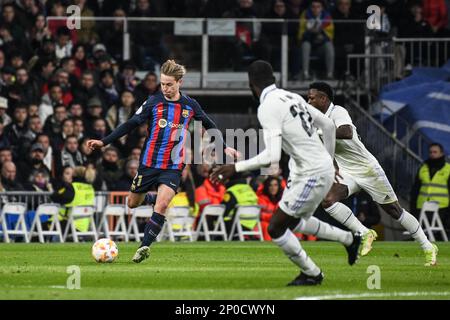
{"points": [[105, 250]]}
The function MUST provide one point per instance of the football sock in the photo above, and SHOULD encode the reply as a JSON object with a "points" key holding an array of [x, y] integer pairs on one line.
{"points": [[323, 230], [152, 228], [293, 249], [410, 223], [150, 199], [341, 213]]}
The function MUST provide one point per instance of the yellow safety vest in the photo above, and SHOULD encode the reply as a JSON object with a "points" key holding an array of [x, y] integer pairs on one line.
{"points": [[244, 195], [435, 189], [84, 196]]}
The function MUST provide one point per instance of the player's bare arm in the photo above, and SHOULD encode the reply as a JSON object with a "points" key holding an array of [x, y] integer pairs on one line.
{"points": [[344, 132]]}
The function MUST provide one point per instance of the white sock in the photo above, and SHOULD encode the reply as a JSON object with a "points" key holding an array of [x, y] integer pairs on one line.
{"points": [[293, 249], [410, 223], [341, 213], [323, 230]]}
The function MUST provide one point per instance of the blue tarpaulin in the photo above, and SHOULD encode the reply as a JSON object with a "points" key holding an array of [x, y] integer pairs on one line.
{"points": [[423, 101]]}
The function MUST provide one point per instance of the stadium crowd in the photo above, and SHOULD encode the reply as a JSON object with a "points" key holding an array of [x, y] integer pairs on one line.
{"points": [[61, 87]]}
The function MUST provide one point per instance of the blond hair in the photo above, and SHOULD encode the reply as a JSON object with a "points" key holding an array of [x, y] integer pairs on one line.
{"points": [[172, 69]]}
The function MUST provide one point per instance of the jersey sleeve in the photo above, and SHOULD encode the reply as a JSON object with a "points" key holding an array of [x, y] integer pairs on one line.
{"points": [[271, 122], [141, 115], [207, 122], [341, 117]]}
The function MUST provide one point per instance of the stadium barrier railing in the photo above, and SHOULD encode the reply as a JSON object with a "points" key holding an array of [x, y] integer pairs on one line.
{"points": [[203, 44]]}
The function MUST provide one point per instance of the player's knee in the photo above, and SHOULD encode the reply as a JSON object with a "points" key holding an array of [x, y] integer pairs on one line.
{"points": [[132, 204], [275, 231], [328, 201]]}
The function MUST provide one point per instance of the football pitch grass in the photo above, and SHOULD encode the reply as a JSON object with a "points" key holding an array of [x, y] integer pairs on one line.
{"points": [[219, 270]]}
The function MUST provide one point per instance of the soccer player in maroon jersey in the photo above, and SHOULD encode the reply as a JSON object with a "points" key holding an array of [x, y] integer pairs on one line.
{"points": [[168, 113]]}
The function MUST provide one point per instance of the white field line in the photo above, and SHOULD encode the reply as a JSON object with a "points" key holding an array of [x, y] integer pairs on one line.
{"points": [[375, 295]]}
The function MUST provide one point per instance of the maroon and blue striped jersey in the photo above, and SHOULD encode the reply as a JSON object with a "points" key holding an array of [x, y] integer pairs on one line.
{"points": [[168, 123]]}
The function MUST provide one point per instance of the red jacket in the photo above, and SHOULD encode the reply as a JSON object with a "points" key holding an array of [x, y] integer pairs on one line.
{"points": [[268, 207], [209, 193], [435, 13]]}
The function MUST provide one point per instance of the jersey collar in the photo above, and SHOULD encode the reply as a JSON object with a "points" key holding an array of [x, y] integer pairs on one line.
{"points": [[266, 91], [330, 109]]}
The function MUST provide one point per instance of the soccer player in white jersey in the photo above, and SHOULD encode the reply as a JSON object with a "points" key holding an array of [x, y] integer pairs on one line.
{"points": [[359, 169], [289, 124]]}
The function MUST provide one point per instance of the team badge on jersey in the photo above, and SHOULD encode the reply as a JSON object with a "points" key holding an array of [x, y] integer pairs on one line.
{"points": [[162, 123], [185, 113]]}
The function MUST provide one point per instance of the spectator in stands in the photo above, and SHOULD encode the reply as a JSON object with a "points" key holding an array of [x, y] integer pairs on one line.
{"points": [[127, 79], [39, 181], [34, 129], [25, 88], [208, 193], [147, 37], [343, 43], [75, 110], [63, 47], [126, 180], [67, 175], [108, 91], [433, 184], [7, 81], [61, 77], [119, 114], [135, 154], [271, 33], [66, 131], [17, 128], [38, 32], [70, 155], [316, 35], [27, 11], [44, 141], [268, 200], [100, 129], [12, 31], [68, 65], [4, 143], [82, 63], [53, 124], [94, 112], [146, 88], [8, 179], [45, 68], [245, 46], [78, 128], [5, 119], [436, 14], [109, 169], [87, 33], [87, 88], [33, 162], [5, 155], [295, 8], [112, 35], [49, 101]]}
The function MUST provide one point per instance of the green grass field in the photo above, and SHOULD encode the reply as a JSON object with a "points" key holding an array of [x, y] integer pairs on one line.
{"points": [[219, 270]]}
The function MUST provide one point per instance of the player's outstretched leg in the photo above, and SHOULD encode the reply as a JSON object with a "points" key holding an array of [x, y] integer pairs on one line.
{"points": [[410, 223], [310, 273], [323, 230], [343, 214]]}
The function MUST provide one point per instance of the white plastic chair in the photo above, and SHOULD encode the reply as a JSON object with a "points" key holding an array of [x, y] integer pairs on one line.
{"points": [[246, 212], [51, 210], [178, 216], [114, 211], [14, 209], [81, 212], [139, 212], [216, 211], [436, 223]]}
